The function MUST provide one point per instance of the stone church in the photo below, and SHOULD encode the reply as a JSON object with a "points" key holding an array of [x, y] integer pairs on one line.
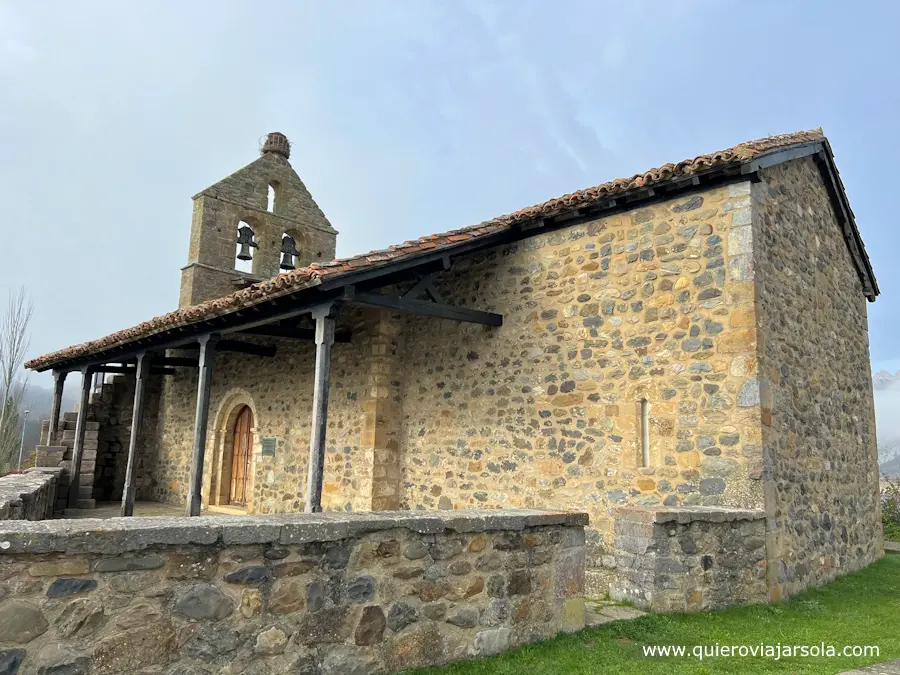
{"points": [[682, 354]]}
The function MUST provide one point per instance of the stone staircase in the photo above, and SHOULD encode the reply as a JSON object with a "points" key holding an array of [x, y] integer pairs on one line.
{"points": [[66, 439], [60, 454]]}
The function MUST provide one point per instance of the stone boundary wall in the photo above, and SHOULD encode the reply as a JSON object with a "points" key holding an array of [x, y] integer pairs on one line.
{"points": [[689, 558], [309, 593], [30, 495]]}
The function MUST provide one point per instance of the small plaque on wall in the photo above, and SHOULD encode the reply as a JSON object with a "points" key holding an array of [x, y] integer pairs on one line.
{"points": [[268, 447]]}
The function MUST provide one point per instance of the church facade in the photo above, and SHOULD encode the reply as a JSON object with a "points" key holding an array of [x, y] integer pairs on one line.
{"points": [[684, 347]]}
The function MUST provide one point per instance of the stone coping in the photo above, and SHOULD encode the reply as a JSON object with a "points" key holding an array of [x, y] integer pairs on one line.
{"points": [[15, 487], [112, 536], [687, 514]]}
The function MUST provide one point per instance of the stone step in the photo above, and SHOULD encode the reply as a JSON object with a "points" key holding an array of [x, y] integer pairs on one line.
{"points": [[86, 456], [88, 445], [70, 417], [89, 435], [86, 504], [598, 612]]}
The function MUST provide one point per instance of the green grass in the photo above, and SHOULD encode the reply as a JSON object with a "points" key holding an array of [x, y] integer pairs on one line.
{"points": [[859, 609], [891, 532]]}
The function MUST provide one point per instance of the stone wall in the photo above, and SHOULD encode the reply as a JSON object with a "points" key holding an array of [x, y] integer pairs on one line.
{"points": [[691, 558], [30, 495], [815, 386], [653, 303], [112, 408], [316, 593]]}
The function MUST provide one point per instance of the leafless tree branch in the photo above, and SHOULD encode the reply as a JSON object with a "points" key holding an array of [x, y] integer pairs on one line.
{"points": [[14, 341]]}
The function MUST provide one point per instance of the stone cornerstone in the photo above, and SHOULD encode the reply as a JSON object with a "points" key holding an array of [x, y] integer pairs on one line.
{"points": [[318, 593]]}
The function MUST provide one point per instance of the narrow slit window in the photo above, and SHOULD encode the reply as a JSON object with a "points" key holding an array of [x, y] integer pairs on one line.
{"points": [[645, 432], [270, 206]]}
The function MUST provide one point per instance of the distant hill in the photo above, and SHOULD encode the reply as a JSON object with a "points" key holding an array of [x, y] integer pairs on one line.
{"points": [[886, 386]]}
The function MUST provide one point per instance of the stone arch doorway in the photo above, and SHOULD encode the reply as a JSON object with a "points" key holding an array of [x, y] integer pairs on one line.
{"points": [[241, 452], [231, 475]]}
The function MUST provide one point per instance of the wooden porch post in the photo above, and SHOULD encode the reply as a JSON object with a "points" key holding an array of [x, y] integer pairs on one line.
{"points": [[59, 380], [207, 358], [324, 341], [78, 448], [137, 417]]}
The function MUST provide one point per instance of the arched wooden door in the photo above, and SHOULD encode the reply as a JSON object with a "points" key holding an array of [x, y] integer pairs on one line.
{"points": [[240, 457]]}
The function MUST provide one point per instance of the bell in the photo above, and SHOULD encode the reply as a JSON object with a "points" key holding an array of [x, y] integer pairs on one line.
{"points": [[288, 252], [244, 253], [245, 239]]}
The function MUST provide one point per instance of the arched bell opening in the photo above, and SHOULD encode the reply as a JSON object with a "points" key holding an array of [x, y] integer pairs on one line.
{"points": [[244, 245]]}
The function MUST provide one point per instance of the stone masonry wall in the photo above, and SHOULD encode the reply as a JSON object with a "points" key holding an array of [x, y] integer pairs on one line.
{"points": [[816, 389], [30, 495], [112, 408], [243, 196], [691, 558], [148, 448], [316, 593], [279, 392], [656, 302]]}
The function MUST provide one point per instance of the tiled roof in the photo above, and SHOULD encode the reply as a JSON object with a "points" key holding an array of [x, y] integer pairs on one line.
{"points": [[306, 277]]}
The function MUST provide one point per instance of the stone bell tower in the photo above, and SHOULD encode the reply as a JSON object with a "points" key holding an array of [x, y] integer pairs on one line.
{"points": [[257, 222]]}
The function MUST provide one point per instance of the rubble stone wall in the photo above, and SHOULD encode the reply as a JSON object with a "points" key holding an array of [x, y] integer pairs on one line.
{"points": [[687, 559], [364, 593], [818, 418], [112, 408], [657, 303]]}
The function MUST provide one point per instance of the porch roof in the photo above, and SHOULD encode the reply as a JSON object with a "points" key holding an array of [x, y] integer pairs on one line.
{"points": [[308, 287]]}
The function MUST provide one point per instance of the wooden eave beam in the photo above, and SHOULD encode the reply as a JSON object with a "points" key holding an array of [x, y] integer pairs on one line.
{"points": [[178, 361], [424, 308], [241, 348], [291, 333]]}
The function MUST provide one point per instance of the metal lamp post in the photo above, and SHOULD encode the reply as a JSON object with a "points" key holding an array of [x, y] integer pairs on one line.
{"points": [[22, 441]]}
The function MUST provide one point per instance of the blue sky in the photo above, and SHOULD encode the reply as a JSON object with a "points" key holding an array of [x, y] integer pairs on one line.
{"points": [[407, 117]]}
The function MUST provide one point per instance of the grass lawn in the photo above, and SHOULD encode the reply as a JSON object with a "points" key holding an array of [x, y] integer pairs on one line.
{"points": [[858, 609]]}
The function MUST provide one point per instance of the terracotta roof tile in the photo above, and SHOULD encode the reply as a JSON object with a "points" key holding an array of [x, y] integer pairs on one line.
{"points": [[305, 277]]}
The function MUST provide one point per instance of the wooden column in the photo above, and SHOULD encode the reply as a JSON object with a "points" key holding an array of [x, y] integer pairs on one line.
{"points": [[59, 380], [78, 449], [324, 341], [137, 417], [207, 358]]}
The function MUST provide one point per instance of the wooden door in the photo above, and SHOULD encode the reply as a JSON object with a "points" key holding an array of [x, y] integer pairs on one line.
{"points": [[240, 457]]}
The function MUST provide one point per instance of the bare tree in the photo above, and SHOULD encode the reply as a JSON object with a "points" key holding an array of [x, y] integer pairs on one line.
{"points": [[14, 340]]}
